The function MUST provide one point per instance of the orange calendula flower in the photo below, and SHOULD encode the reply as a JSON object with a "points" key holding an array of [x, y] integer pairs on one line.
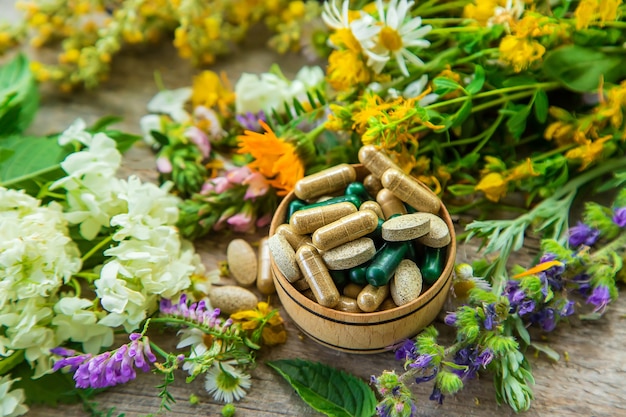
{"points": [[266, 317], [274, 158], [493, 185]]}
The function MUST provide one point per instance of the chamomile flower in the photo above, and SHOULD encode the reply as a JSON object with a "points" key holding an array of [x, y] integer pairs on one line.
{"points": [[396, 36], [226, 383], [352, 28]]}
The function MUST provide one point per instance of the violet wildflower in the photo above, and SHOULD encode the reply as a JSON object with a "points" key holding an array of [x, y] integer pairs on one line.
{"points": [[250, 121], [518, 301], [194, 312], [553, 274], [450, 319], [472, 359], [109, 368], [582, 234], [545, 318], [567, 309], [407, 351], [583, 283], [600, 298], [619, 217], [491, 317], [437, 395]]}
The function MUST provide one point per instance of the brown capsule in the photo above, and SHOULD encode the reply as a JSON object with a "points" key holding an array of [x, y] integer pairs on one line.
{"points": [[317, 275], [309, 220], [389, 203], [264, 279], [372, 184], [374, 206], [410, 191], [295, 240], [344, 230], [347, 304], [301, 285], [352, 290], [371, 297], [325, 182], [388, 304], [375, 160]]}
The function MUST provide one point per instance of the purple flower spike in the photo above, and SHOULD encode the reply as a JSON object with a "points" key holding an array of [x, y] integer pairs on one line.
{"points": [[600, 298], [581, 234], [619, 217], [450, 319]]}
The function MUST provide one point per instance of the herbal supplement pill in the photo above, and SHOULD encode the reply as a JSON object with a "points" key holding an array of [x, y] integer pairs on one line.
{"points": [[432, 264], [294, 206], [350, 227], [350, 254], [231, 298], [385, 263], [316, 274], [347, 304], [375, 160], [372, 184], [242, 262], [301, 285], [352, 290], [264, 280], [295, 240], [357, 274], [309, 220], [284, 257], [406, 284], [356, 200], [371, 297], [439, 234], [388, 304], [309, 294], [374, 206], [358, 189], [325, 182], [340, 278], [389, 203], [406, 227], [410, 191]]}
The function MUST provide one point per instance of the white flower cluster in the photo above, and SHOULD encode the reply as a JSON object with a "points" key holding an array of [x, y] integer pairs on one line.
{"points": [[11, 402], [147, 257], [267, 91]]}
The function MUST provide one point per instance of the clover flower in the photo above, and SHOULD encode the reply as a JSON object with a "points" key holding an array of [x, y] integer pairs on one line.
{"points": [[109, 368]]}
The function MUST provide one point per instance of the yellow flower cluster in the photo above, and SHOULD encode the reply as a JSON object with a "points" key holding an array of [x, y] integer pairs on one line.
{"points": [[273, 332], [495, 184], [592, 12]]}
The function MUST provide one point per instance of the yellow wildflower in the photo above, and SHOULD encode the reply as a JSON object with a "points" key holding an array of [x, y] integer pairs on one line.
{"points": [[520, 53], [614, 106], [481, 10], [493, 185], [210, 90], [346, 70], [273, 331], [591, 11], [274, 158], [589, 153], [522, 171]]}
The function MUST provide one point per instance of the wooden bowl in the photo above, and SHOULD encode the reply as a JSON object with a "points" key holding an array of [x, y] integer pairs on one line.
{"points": [[363, 332]]}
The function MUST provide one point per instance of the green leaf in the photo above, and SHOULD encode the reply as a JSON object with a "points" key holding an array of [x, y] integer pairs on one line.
{"points": [[477, 83], [326, 389], [9, 362], [50, 389], [102, 123], [33, 161], [19, 97], [517, 121], [581, 69], [123, 141], [521, 330], [541, 106], [550, 353], [462, 114], [445, 85]]}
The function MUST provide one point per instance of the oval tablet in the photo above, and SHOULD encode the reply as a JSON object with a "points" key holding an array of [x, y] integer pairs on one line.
{"points": [[439, 234], [406, 284], [231, 298], [284, 257], [406, 227], [242, 262], [350, 254], [325, 181]]}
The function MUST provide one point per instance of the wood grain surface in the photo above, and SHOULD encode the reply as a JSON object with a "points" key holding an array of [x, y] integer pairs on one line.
{"points": [[590, 383]]}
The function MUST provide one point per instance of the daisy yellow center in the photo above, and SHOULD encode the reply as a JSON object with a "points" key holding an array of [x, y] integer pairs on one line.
{"points": [[227, 382], [390, 39]]}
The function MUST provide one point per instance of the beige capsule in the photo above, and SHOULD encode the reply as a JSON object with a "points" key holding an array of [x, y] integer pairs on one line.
{"points": [[301, 284], [295, 239], [309, 220], [388, 304], [325, 182], [406, 284], [374, 206], [344, 230], [350, 254], [264, 279], [242, 262], [406, 227], [372, 184], [352, 290], [347, 304], [284, 257], [317, 275], [410, 191], [371, 297], [375, 160], [439, 234], [389, 203]]}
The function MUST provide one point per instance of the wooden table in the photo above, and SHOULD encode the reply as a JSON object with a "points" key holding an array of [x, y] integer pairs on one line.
{"points": [[590, 383]]}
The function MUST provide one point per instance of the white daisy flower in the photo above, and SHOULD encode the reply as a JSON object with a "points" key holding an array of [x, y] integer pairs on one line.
{"points": [[364, 28], [226, 383], [396, 35]]}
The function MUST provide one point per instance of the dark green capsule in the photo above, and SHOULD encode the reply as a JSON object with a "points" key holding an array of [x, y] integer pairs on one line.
{"points": [[411, 253], [357, 274], [294, 206], [385, 263], [358, 189], [340, 199], [432, 264], [409, 208], [340, 277], [377, 234]]}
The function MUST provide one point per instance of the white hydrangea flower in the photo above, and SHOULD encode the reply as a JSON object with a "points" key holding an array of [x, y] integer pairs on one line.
{"points": [[172, 103], [11, 401], [74, 321], [36, 254], [75, 133]]}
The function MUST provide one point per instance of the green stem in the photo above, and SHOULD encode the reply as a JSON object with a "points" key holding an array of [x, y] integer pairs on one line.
{"points": [[619, 244], [501, 100], [30, 176], [454, 29], [89, 276], [96, 248], [204, 328], [158, 350], [437, 10], [479, 54]]}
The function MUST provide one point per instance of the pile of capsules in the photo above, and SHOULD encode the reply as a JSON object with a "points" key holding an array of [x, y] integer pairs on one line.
{"points": [[371, 248]]}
